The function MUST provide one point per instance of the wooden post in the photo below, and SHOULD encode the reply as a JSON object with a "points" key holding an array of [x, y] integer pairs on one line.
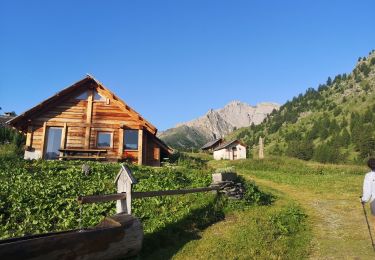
{"points": [[157, 155], [140, 146], [144, 148], [87, 137], [88, 119], [124, 181], [29, 136], [63, 139], [261, 148], [89, 107], [120, 142], [43, 139]]}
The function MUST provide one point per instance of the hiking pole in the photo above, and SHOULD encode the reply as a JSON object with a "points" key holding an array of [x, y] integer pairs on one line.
{"points": [[368, 226]]}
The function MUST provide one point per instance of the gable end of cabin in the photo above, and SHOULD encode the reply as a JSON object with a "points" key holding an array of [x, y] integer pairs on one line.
{"points": [[88, 117]]}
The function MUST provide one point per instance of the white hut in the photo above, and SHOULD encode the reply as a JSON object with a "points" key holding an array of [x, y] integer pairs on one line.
{"points": [[233, 150]]}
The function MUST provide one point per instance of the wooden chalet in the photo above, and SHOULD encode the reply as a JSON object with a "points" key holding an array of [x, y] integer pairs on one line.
{"points": [[86, 121], [211, 146]]}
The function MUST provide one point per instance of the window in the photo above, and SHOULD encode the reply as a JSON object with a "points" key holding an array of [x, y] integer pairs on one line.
{"points": [[83, 96], [98, 97], [53, 142], [131, 140], [104, 139]]}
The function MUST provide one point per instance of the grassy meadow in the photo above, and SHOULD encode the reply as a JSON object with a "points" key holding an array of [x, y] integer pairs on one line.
{"points": [[292, 209], [328, 195]]}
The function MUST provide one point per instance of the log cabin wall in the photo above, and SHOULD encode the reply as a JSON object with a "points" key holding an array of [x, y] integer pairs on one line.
{"points": [[81, 119], [152, 152], [71, 112]]}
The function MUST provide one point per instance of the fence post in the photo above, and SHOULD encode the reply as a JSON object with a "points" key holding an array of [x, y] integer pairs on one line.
{"points": [[124, 181]]}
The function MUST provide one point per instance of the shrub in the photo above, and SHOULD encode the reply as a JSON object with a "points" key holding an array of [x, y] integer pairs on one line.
{"points": [[300, 149], [288, 221], [10, 151], [325, 153]]}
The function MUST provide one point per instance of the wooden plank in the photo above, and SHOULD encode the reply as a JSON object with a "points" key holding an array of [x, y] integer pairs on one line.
{"points": [[141, 194], [79, 157], [42, 145], [87, 137], [140, 146], [124, 106], [89, 107], [148, 194], [63, 114], [157, 155], [29, 136], [76, 134], [60, 120], [121, 142], [144, 148], [84, 150], [109, 124], [63, 138], [120, 239]]}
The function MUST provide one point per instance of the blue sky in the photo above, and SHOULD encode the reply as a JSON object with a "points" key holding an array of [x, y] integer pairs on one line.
{"points": [[173, 60]]}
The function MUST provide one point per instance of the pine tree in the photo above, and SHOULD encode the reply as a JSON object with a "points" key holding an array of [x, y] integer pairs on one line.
{"points": [[329, 81]]}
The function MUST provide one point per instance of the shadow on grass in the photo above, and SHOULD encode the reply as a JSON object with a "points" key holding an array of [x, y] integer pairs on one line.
{"points": [[166, 242]]}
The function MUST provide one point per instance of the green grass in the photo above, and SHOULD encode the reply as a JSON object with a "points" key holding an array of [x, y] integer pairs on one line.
{"points": [[328, 194], [277, 231], [317, 177], [293, 209], [175, 226], [266, 232]]}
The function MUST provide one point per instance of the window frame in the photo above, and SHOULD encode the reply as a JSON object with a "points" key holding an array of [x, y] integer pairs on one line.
{"points": [[124, 140], [47, 140], [110, 142]]}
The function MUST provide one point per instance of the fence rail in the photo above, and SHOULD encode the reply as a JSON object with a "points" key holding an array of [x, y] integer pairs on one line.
{"points": [[141, 194]]}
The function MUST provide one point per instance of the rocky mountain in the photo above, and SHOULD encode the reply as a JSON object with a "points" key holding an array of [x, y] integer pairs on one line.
{"points": [[333, 122], [216, 124]]}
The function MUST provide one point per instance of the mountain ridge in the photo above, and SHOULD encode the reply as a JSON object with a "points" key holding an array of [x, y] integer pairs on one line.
{"points": [[332, 123], [216, 123]]}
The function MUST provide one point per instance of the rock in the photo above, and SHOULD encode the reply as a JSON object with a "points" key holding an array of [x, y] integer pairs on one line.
{"points": [[216, 124]]}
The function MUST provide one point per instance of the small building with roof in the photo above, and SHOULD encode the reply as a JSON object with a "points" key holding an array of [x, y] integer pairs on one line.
{"points": [[210, 146], [232, 150], [88, 121]]}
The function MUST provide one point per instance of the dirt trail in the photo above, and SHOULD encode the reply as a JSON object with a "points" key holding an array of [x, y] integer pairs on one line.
{"points": [[338, 225]]}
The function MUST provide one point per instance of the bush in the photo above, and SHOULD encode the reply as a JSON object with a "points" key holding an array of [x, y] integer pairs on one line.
{"points": [[10, 151], [301, 149], [289, 221], [325, 153], [53, 186], [10, 136]]}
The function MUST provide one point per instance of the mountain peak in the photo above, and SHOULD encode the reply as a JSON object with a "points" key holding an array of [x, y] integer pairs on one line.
{"points": [[236, 103], [218, 123]]}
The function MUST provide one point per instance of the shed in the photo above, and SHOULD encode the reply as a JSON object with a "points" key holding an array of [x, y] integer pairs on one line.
{"points": [[210, 146], [232, 150], [88, 116]]}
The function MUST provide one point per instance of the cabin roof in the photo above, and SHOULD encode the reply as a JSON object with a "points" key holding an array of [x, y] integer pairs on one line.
{"points": [[211, 144], [163, 145], [23, 118], [227, 144]]}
